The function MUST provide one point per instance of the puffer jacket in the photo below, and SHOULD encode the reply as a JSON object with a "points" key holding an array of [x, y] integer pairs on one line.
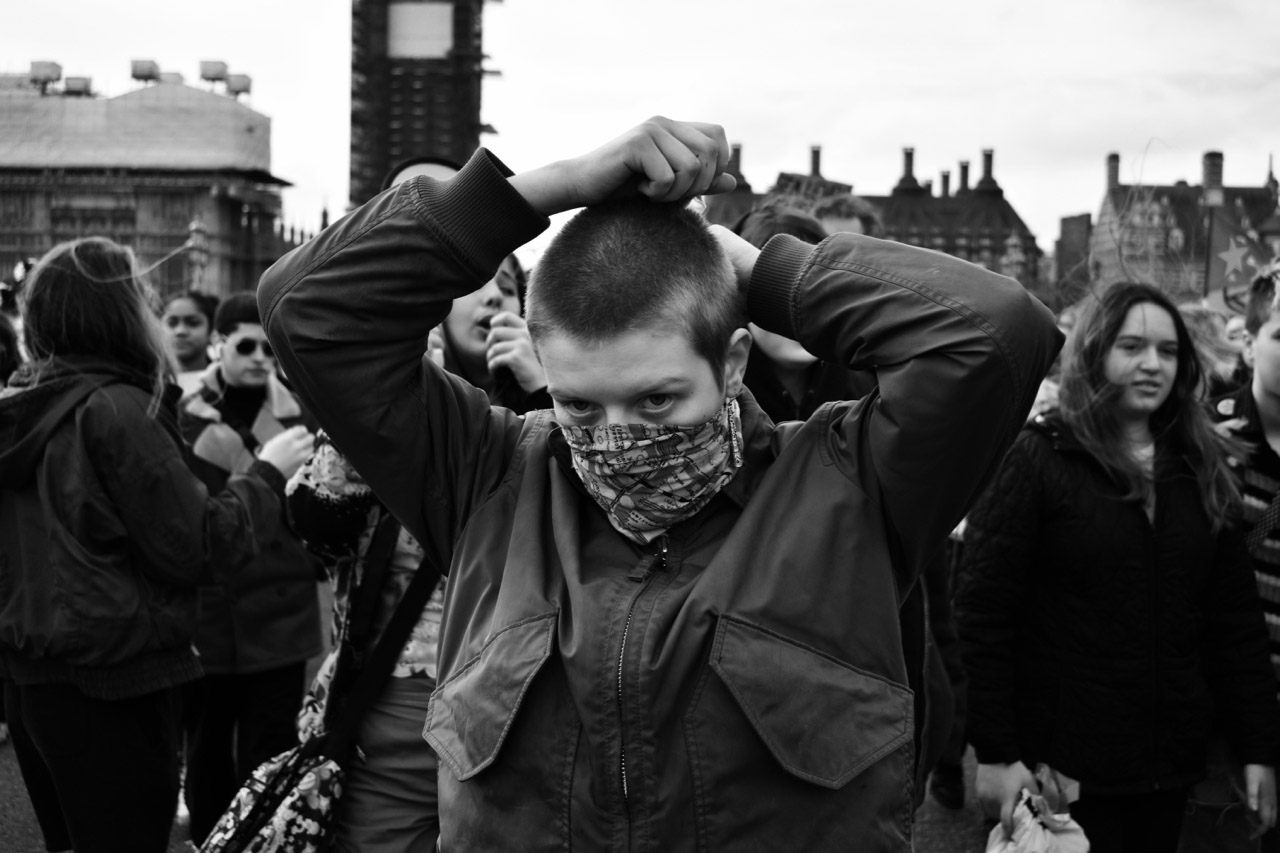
{"points": [[1098, 642], [105, 533], [739, 684], [268, 614]]}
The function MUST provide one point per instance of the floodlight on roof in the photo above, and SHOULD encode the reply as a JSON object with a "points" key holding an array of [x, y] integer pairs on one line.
{"points": [[146, 70], [238, 84], [43, 73], [213, 71], [81, 86]]}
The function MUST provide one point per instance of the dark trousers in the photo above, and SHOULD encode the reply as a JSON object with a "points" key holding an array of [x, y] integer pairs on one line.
{"points": [[939, 584], [1131, 823], [102, 775], [234, 723]]}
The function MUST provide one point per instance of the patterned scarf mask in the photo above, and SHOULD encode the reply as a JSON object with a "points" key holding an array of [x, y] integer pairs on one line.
{"points": [[648, 477]]}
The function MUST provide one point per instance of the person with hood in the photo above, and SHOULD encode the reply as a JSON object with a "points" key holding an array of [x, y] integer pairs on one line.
{"points": [[105, 535]]}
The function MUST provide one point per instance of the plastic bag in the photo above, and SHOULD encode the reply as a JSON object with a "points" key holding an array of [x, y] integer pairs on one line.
{"points": [[1036, 829]]}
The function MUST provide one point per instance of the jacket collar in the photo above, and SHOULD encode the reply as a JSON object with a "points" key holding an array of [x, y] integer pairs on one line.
{"points": [[279, 403]]}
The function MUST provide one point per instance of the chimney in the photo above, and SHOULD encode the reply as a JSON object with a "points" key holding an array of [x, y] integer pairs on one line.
{"points": [[815, 161], [1213, 170], [928, 187], [735, 159], [964, 178], [946, 184], [1113, 170], [987, 183], [908, 162]]}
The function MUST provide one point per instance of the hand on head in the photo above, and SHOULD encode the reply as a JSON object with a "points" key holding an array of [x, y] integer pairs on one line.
{"points": [[664, 160], [741, 254]]}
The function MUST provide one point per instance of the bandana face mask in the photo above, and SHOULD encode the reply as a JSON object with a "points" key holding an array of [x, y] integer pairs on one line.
{"points": [[649, 477]]}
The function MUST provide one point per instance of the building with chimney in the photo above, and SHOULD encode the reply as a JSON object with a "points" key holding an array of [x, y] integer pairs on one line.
{"points": [[976, 222], [416, 70], [1161, 233], [180, 174]]}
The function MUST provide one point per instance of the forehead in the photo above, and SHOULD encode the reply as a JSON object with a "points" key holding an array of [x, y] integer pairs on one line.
{"points": [[182, 306], [1148, 320], [247, 330], [631, 362]]}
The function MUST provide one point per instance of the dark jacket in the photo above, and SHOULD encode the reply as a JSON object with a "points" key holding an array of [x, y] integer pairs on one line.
{"points": [[268, 614], [104, 533], [1099, 643], [823, 382], [738, 684]]}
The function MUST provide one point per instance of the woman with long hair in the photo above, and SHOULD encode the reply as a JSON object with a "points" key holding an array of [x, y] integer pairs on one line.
{"points": [[1108, 612], [104, 535]]}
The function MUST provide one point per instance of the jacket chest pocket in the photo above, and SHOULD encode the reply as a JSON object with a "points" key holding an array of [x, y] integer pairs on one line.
{"points": [[506, 732], [790, 744]]}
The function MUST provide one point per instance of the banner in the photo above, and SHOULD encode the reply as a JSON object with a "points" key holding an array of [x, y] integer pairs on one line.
{"points": [[1234, 260]]}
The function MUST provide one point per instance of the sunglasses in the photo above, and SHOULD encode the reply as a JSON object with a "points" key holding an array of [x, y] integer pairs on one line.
{"points": [[246, 346]]}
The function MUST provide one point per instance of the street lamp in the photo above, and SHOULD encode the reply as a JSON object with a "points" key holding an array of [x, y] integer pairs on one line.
{"points": [[197, 251]]}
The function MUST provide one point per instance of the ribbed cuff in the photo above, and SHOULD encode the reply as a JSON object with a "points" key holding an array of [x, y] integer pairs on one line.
{"points": [[482, 216], [771, 292]]}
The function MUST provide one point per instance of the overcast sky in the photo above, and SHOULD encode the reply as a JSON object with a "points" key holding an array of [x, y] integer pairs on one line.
{"points": [[1051, 87]]}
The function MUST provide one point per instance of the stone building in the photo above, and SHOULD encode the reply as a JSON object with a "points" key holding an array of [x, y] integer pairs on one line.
{"points": [[153, 168], [415, 85], [1161, 234], [976, 222]]}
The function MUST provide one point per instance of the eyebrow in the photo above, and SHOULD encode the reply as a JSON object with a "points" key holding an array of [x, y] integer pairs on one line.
{"points": [[659, 386]]}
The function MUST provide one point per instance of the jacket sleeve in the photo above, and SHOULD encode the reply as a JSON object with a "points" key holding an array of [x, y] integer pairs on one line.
{"points": [[1001, 540], [348, 315], [958, 351], [1238, 664], [177, 529]]}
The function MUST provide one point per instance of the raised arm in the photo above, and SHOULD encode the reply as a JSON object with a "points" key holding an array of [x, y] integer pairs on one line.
{"points": [[349, 312], [958, 351]]}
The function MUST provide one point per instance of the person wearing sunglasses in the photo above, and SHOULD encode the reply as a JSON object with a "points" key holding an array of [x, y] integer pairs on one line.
{"points": [[257, 627]]}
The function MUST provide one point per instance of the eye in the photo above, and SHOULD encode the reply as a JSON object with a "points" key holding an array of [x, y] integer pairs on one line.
{"points": [[657, 401], [576, 407]]}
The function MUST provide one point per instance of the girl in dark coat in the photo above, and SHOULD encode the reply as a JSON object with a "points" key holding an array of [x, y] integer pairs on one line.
{"points": [[104, 536], [1108, 611]]}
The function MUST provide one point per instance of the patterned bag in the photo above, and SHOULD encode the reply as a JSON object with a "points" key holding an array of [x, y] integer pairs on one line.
{"points": [[289, 802], [287, 806]]}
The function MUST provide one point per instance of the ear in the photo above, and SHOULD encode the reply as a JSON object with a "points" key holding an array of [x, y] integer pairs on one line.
{"points": [[217, 341], [735, 363], [1247, 352]]}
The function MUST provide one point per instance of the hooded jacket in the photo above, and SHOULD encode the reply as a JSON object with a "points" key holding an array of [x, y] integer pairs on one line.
{"points": [[741, 683], [105, 532]]}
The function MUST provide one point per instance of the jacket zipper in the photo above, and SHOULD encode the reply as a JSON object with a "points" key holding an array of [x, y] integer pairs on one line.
{"points": [[642, 573]]}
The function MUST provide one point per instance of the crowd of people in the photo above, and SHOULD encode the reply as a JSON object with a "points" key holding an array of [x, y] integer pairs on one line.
{"points": [[736, 538]]}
